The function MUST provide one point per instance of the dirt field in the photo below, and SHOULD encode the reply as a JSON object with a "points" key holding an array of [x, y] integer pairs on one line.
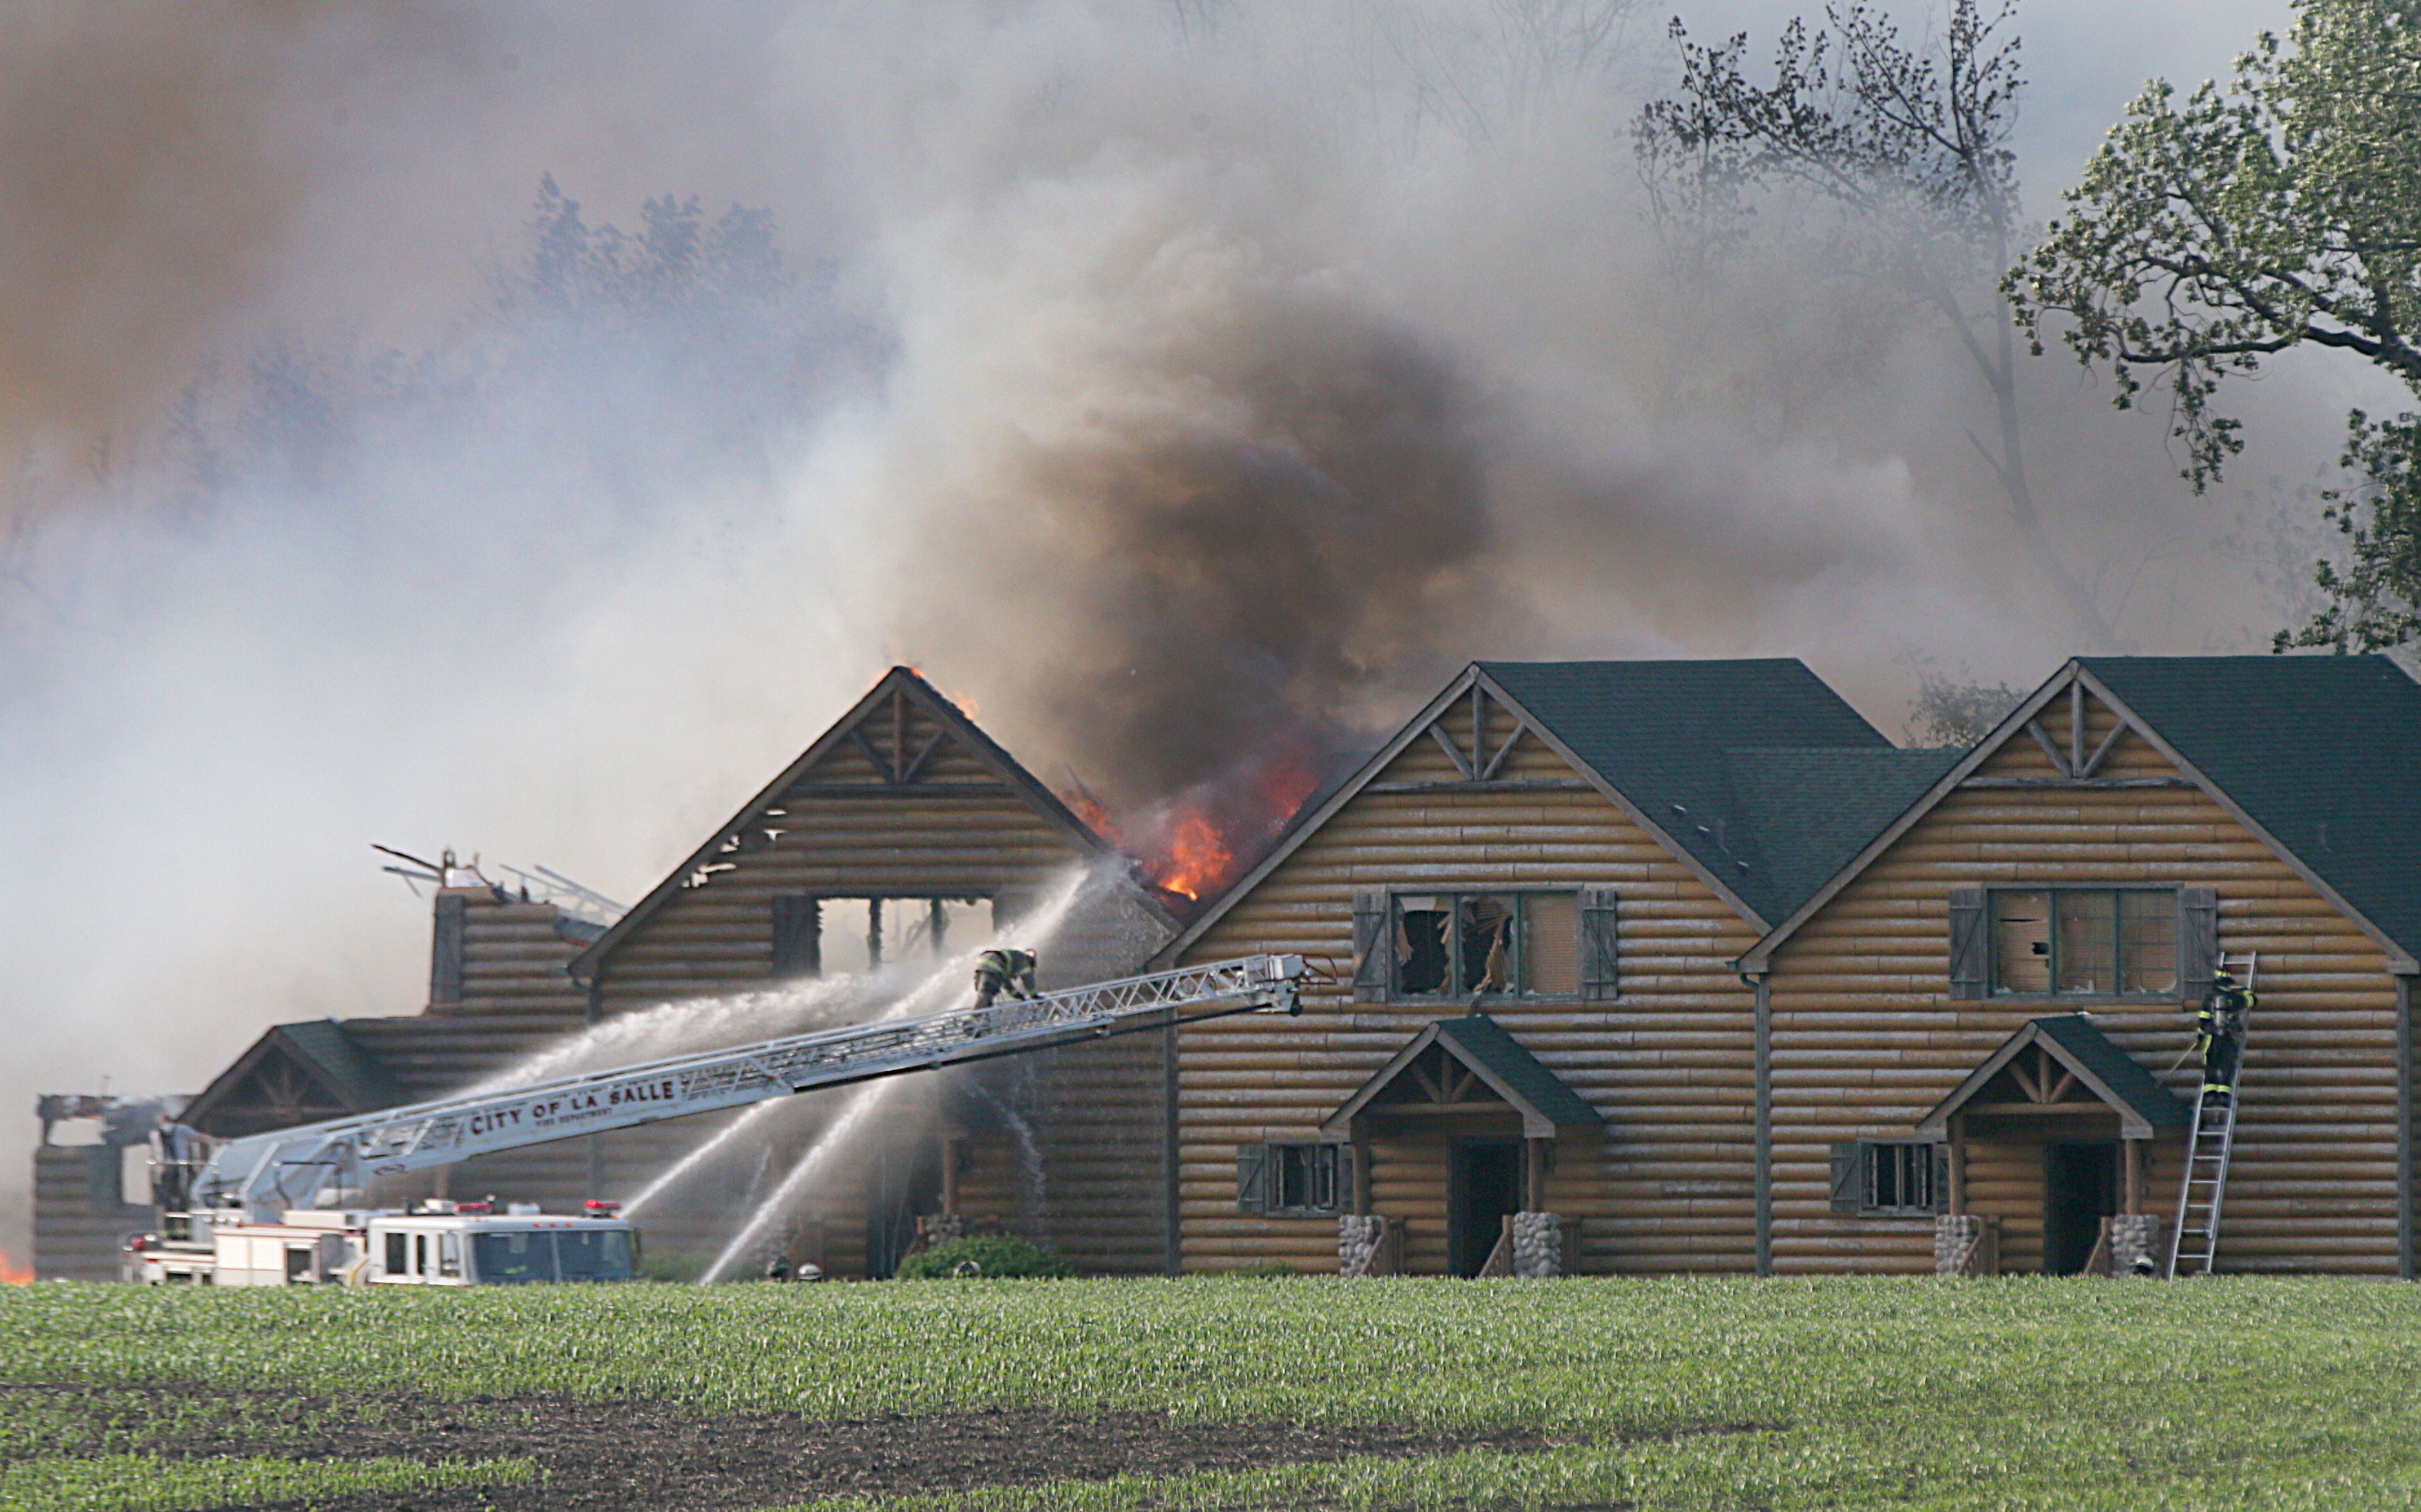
{"points": [[632, 1455]]}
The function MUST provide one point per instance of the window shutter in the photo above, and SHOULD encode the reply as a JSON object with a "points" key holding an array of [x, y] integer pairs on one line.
{"points": [[1971, 946], [1849, 1176], [798, 936], [2197, 939], [445, 951], [1600, 965], [1941, 1193], [1253, 1178], [1371, 956]]}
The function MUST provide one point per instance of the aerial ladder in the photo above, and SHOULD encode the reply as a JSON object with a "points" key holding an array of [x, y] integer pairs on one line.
{"points": [[2194, 1238], [266, 1174]]}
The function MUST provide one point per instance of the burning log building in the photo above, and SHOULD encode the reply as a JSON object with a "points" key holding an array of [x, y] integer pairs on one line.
{"points": [[1643, 966]]}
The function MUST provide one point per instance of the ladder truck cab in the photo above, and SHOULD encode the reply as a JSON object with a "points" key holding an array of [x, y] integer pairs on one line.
{"points": [[467, 1245]]}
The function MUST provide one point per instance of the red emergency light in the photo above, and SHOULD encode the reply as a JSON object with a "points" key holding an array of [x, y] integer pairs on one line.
{"points": [[600, 1207], [475, 1206]]}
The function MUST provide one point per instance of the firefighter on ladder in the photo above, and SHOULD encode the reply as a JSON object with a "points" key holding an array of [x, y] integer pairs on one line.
{"points": [[2219, 1034], [1004, 971]]}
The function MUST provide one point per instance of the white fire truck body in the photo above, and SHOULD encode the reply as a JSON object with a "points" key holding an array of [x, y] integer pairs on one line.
{"points": [[438, 1245]]}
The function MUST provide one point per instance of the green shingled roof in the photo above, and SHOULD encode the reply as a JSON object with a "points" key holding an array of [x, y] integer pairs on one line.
{"points": [[353, 1072], [2120, 1073], [2324, 752], [1812, 811], [1757, 767], [1485, 1040], [2122, 1080]]}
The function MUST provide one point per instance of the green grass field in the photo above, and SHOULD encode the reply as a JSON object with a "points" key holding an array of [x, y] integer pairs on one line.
{"points": [[2022, 1393]]}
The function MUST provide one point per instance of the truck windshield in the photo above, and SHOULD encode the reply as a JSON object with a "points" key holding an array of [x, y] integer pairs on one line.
{"points": [[593, 1253], [523, 1257]]}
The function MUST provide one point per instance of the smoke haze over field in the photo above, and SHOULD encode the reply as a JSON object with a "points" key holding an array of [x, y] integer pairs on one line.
{"points": [[1179, 383]]}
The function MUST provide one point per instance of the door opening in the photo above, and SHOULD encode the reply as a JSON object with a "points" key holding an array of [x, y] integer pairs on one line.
{"points": [[1483, 1184], [2080, 1189]]}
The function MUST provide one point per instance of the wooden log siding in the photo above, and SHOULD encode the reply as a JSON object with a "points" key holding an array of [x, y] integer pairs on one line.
{"points": [[1095, 1112], [957, 829], [1669, 1187], [1866, 1037]]}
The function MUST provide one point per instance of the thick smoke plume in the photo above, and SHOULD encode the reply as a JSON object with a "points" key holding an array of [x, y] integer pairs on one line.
{"points": [[1189, 388]]}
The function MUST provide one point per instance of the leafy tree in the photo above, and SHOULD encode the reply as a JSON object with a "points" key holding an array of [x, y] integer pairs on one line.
{"points": [[2285, 211], [1957, 711], [1910, 153]]}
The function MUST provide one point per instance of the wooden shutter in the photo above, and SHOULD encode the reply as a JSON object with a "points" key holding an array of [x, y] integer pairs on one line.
{"points": [[1941, 1203], [2198, 941], [798, 936], [1601, 962], [1971, 945], [1253, 1173], [445, 951], [1849, 1176], [1371, 956]]}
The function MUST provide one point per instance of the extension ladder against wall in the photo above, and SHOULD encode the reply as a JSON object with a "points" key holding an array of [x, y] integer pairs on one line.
{"points": [[2193, 1240]]}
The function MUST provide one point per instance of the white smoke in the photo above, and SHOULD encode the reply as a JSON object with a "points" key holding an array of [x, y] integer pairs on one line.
{"points": [[1329, 343]]}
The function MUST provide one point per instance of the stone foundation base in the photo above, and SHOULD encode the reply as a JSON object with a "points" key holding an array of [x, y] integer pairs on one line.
{"points": [[1538, 1244], [2137, 1245], [1368, 1244], [1966, 1244]]}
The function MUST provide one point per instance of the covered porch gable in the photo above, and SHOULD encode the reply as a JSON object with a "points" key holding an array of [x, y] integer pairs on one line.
{"points": [[2057, 1067]]}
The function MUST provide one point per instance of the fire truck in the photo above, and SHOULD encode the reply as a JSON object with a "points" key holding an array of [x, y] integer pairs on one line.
{"points": [[436, 1243], [284, 1207]]}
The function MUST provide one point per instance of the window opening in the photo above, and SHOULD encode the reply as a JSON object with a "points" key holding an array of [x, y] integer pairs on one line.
{"points": [[856, 935], [2080, 942], [396, 1264], [420, 1255], [1495, 944], [449, 1255], [1296, 1180]]}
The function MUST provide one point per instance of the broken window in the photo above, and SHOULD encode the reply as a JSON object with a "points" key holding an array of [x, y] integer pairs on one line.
{"points": [[2085, 942], [817, 936], [1491, 944]]}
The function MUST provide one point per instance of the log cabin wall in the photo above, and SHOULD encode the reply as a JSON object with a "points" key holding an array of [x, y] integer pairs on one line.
{"points": [[1669, 1187], [903, 803], [1866, 1037]]}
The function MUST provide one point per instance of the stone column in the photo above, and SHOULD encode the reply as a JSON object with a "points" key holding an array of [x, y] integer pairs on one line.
{"points": [[2136, 1237], [1538, 1244]]}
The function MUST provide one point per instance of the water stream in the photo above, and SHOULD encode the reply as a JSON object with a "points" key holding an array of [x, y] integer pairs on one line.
{"points": [[947, 983]]}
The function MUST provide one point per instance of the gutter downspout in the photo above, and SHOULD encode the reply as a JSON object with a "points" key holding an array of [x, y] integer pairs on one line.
{"points": [[2405, 1257], [1764, 1120]]}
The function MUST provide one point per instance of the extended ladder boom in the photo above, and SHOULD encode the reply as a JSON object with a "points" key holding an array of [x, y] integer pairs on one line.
{"points": [[266, 1174]]}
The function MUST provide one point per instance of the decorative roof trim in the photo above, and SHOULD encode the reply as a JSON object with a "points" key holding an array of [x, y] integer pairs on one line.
{"points": [[1471, 676], [1757, 957], [906, 681], [1537, 1123], [2134, 1122]]}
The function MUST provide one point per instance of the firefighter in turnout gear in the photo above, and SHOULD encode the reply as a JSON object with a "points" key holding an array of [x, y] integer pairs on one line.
{"points": [[2219, 1034], [1004, 971]]}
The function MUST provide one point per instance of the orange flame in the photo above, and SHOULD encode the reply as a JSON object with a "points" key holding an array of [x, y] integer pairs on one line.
{"points": [[13, 1274], [1199, 858], [1197, 846]]}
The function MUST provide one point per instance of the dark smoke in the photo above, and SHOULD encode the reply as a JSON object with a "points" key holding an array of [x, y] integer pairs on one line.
{"points": [[1187, 387], [1232, 583]]}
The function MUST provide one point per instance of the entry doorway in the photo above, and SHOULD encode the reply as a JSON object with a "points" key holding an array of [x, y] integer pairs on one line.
{"points": [[2080, 1189], [1483, 1184]]}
